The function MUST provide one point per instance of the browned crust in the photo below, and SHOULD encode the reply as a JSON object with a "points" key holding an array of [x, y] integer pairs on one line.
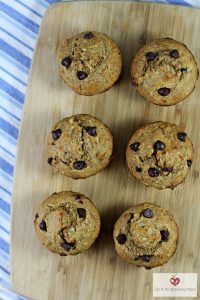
{"points": [[140, 89]]}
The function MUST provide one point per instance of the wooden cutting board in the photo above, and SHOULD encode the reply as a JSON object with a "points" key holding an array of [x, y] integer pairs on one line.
{"points": [[99, 273]]}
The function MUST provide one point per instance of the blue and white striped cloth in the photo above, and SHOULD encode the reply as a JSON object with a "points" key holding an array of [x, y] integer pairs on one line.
{"points": [[19, 25]]}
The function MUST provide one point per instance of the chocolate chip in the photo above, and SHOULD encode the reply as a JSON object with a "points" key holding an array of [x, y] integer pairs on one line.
{"points": [[159, 145], [67, 246], [167, 169], [144, 257], [182, 136], [131, 217], [43, 226], [133, 82], [174, 53], [163, 91], [138, 169], [121, 238], [36, 216], [63, 254], [135, 146], [184, 70], [151, 56], [148, 268], [66, 62], [189, 162], [81, 75], [91, 130], [153, 172], [78, 198], [79, 165], [88, 35], [81, 213], [56, 134], [147, 213], [164, 235], [49, 160]]}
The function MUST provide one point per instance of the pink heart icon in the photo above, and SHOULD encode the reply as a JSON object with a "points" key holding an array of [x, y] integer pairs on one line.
{"points": [[175, 280]]}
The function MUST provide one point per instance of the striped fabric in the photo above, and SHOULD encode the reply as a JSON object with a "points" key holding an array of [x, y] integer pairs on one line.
{"points": [[19, 25]]}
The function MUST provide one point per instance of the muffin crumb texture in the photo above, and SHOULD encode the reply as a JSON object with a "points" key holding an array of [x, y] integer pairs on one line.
{"points": [[146, 235], [79, 146], [164, 71], [67, 223], [90, 62], [160, 154]]}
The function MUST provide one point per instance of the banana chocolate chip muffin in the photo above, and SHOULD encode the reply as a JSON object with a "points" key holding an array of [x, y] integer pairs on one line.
{"points": [[160, 155], [90, 62], [164, 71], [79, 146], [67, 223], [146, 235]]}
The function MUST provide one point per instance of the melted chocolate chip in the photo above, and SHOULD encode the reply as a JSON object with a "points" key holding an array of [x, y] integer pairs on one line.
{"points": [[88, 35], [79, 165], [163, 91], [184, 70], [167, 169], [159, 145], [135, 146], [67, 246], [144, 257], [66, 62], [182, 136], [147, 213], [91, 130], [174, 54], [56, 134], [43, 226], [131, 217], [151, 56], [189, 162], [63, 254], [36, 216], [49, 160], [153, 172], [138, 169], [81, 213], [121, 238], [81, 75], [78, 198], [164, 235]]}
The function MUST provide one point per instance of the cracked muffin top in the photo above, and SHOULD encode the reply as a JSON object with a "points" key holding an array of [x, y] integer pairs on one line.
{"points": [[67, 223], [164, 71], [146, 235], [90, 62], [79, 146], [160, 155]]}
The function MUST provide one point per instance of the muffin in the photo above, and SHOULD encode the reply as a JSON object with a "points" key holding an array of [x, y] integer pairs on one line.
{"points": [[67, 223], [79, 146], [160, 155], [146, 235], [90, 62], [164, 71]]}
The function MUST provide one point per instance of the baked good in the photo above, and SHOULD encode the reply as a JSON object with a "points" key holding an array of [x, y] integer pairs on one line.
{"points": [[79, 146], [164, 71], [146, 235], [67, 223], [90, 62], [160, 155]]}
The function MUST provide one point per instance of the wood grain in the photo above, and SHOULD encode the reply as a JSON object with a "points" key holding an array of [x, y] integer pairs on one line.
{"points": [[99, 274]]}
